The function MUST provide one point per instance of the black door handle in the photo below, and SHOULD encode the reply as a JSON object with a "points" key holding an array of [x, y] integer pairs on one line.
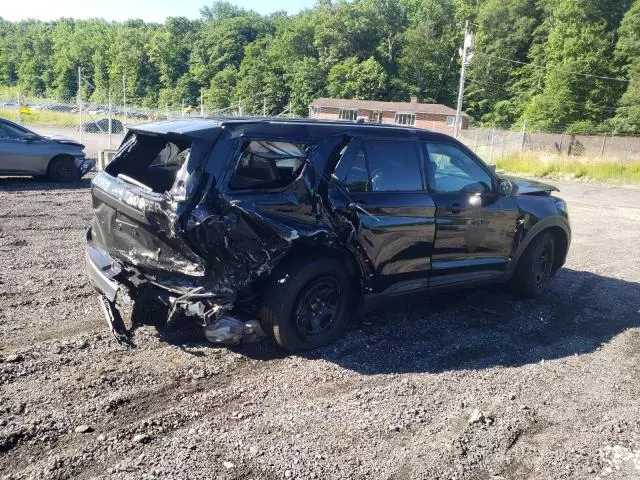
{"points": [[455, 208]]}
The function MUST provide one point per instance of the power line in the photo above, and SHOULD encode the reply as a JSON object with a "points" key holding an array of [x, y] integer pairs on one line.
{"points": [[573, 72], [491, 84], [446, 73], [562, 102]]}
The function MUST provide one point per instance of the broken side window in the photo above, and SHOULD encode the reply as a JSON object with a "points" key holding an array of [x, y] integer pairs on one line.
{"points": [[268, 164], [352, 168]]}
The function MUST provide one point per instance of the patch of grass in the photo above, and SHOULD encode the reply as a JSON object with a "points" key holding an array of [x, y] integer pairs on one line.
{"points": [[43, 117], [53, 118], [541, 165]]}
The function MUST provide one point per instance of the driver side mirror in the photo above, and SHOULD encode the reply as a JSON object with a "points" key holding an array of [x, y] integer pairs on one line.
{"points": [[505, 188], [29, 137]]}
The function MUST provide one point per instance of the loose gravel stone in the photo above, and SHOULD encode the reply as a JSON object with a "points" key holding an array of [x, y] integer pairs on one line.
{"points": [[389, 400]]}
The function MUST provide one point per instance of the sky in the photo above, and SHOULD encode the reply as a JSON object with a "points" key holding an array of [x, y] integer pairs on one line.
{"points": [[118, 10]]}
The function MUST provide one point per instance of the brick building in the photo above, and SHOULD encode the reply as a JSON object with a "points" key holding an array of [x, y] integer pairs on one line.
{"points": [[430, 116]]}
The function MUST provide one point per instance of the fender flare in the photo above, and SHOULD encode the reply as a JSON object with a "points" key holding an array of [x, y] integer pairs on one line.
{"points": [[532, 233]]}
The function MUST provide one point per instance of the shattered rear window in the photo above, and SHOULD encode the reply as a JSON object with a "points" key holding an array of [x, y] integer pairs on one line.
{"points": [[151, 161], [266, 164]]}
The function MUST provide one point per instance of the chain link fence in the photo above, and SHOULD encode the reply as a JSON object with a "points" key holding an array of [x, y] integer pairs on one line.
{"points": [[102, 127], [98, 126], [493, 144]]}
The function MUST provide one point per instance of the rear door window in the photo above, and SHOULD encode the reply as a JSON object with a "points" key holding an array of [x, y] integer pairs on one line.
{"points": [[380, 166], [268, 164]]}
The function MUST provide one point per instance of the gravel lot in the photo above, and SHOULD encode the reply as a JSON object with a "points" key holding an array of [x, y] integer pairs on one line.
{"points": [[476, 385]]}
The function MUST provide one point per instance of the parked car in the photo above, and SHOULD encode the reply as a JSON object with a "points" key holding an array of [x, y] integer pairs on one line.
{"points": [[307, 224], [102, 126], [25, 153]]}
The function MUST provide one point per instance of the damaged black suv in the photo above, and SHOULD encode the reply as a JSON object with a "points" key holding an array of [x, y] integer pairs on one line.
{"points": [[304, 225]]}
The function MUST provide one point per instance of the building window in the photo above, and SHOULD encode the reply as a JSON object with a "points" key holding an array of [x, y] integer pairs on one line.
{"points": [[406, 118], [315, 110], [376, 117], [348, 114], [451, 121]]}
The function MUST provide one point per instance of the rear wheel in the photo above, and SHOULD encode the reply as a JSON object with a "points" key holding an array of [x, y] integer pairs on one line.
{"points": [[63, 169], [535, 267], [306, 305]]}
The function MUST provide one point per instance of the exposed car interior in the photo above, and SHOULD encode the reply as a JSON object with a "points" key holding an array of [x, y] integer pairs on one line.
{"points": [[150, 160], [268, 164]]}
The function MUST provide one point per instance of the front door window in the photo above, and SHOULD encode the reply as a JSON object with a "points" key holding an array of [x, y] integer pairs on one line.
{"points": [[452, 171]]}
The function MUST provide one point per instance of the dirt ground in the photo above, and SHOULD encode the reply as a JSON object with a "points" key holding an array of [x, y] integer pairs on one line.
{"points": [[476, 385]]}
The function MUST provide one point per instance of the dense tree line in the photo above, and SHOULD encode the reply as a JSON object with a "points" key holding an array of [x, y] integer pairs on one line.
{"points": [[554, 64]]}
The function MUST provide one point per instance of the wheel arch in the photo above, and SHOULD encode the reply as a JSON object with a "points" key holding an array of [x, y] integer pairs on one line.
{"points": [[301, 251], [561, 233]]}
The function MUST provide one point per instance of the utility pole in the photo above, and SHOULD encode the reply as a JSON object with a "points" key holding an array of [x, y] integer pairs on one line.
{"points": [[467, 45], [80, 100], [264, 107], [202, 102]]}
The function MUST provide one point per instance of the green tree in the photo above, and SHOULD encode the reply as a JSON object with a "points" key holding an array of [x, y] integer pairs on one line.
{"points": [[306, 81], [169, 49], [425, 53], [220, 92], [361, 80], [580, 40], [504, 30], [261, 85], [627, 118]]}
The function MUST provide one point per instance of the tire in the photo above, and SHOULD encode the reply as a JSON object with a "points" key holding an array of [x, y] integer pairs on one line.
{"points": [[310, 308], [535, 267], [63, 170]]}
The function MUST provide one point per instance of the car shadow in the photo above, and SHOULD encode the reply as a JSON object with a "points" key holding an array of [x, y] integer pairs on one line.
{"points": [[41, 184], [475, 329]]}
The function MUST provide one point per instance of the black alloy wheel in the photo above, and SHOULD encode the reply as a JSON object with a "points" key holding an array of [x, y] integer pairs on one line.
{"points": [[307, 303], [317, 305], [535, 267], [543, 265]]}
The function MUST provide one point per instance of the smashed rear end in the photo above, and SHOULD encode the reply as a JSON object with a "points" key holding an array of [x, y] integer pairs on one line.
{"points": [[165, 230], [137, 240]]}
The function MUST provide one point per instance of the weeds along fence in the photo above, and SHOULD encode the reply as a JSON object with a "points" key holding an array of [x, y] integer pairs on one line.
{"points": [[493, 145]]}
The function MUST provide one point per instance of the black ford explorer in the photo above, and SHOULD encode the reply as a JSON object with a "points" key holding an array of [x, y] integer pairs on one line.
{"points": [[304, 225]]}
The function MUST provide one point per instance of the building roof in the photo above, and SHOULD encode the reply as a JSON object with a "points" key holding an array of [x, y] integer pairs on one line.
{"points": [[408, 107]]}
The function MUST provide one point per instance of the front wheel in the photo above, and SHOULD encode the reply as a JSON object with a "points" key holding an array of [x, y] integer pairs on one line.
{"points": [[64, 170], [535, 267], [306, 305]]}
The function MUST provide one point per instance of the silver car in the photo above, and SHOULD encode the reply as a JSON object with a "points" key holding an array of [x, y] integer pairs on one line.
{"points": [[25, 153]]}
